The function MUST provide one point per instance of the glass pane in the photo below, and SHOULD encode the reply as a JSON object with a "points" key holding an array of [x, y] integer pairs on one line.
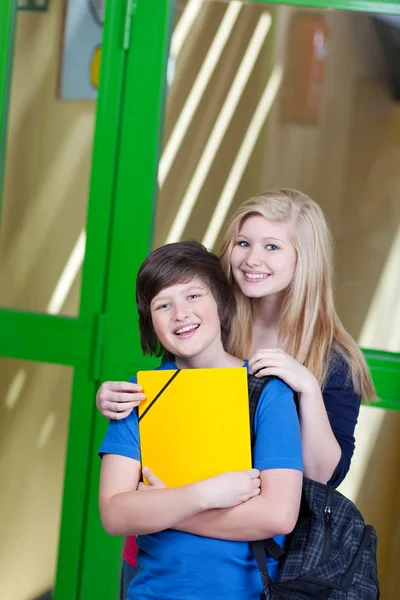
{"points": [[264, 97], [35, 400], [48, 157]]}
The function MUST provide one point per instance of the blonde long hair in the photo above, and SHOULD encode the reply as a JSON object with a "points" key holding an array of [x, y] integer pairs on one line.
{"points": [[308, 326]]}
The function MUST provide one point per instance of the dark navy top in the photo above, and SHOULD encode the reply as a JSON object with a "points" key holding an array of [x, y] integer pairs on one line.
{"points": [[342, 405]]}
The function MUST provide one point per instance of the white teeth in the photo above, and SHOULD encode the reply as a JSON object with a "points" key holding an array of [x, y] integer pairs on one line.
{"points": [[185, 329], [256, 275]]}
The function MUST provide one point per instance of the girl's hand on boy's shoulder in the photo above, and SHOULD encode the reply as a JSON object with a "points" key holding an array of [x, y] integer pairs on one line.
{"points": [[116, 399], [277, 362]]}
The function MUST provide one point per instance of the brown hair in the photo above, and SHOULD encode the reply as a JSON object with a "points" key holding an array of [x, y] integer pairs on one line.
{"points": [[175, 263]]}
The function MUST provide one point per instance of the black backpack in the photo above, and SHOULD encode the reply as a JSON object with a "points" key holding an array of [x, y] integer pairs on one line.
{"points": [[331, 553]]}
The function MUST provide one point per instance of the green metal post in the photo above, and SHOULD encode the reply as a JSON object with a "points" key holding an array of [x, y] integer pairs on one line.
{"points": [[7, 34], [131, 237], [94, 281]]}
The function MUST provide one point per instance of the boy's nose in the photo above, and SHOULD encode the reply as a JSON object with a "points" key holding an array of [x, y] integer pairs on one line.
{"points": [[180, 314]]}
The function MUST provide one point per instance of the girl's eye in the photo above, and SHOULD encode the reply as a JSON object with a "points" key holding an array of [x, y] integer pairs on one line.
{"points": [[243, 244], [193, 296], [271, 247]]}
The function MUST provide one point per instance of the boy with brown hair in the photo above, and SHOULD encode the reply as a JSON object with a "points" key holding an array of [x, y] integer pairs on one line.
{"points": [[193, 540]]}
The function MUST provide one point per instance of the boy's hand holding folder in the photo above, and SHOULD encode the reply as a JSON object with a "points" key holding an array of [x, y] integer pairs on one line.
{"points": [[225, 490], [194, 424]]}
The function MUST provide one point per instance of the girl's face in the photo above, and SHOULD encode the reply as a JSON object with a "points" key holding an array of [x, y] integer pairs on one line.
{"points": [[263, 258]]}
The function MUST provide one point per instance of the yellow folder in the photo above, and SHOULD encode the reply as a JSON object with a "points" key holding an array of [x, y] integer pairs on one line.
{"points": [[194, 423]]}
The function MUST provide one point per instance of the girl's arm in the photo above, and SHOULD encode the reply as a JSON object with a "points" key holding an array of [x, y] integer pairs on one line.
{"points": [[321, 450], [125, 510], [342, 404], [327, 441]]}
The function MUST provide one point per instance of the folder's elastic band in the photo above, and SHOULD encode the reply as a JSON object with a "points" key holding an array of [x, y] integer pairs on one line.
{"points": [[159, 394]]}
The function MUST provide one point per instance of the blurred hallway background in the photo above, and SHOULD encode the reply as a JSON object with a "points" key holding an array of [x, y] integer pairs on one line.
{"points": [[238, 121]]}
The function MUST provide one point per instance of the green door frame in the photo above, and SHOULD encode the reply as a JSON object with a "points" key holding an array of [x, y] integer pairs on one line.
{"points": [[7, 33], [102, 342], [135, 193]]}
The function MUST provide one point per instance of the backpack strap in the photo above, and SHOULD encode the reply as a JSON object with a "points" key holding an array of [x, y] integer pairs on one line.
{"points": [[256, 386], [260, 548]]}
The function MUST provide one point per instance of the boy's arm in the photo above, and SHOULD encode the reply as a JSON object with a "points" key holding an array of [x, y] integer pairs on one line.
{"points": [[125, 510], [272, 513]]}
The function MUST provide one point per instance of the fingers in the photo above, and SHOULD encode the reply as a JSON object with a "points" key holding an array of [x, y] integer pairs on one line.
{"points": [[120, 386], [117, 403], [256, 370], [134, 398], [118, 391], [121, 397], [255, 484], [117, 411], [275, 363], [254, 473], [123, 405], [116, 416], [267, 354], [153, 479], [268, 371]]}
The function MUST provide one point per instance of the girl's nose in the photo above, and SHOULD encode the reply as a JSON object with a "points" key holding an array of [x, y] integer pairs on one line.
{"points": [[253, 258]]}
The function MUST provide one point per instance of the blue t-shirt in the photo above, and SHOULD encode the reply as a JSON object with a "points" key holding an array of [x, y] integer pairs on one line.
{"points": [[175, 565]]}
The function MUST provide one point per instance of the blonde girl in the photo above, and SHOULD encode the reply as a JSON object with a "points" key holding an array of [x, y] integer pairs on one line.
{"points": [[277, 255]]}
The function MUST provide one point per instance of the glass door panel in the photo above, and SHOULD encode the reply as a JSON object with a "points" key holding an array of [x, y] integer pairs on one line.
{"points": [[266, 96], [48, 161], [34, 401], [220, 65]]}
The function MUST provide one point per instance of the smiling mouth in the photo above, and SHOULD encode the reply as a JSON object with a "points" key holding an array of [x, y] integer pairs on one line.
{"points": [[186, 331], [255, 277]]}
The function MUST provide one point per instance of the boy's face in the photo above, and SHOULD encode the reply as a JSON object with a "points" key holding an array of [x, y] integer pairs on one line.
{"points": [[185, 319]]}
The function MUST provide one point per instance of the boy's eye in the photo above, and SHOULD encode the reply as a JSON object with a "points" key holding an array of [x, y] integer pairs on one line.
{"points": [[165, 305], [271, 247], [243, 244]]}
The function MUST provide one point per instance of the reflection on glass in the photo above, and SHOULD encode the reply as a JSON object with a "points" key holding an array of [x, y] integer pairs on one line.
{"points": [[265, 96], [48, 160], [34, 400]]}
